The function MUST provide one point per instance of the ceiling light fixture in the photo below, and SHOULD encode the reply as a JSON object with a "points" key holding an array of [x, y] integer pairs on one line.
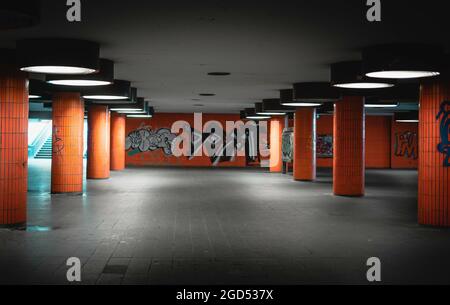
{"points": [[58, 56], [219, 73], [32, 96], [140, 106], [381, 105], [407, 117], [120, 90], [403, 61], [104, 77], [250, 114], [309, 94], [349, 75], [259, 110], [207, 94]]}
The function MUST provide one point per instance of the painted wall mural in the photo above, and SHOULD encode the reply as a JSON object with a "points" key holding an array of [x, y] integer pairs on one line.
{"points": [[149, 142], [406, 144], [324, 146], [444, 130], [147, 139]]}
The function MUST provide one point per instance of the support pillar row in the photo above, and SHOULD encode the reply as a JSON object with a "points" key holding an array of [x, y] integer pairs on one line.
{"points": [[13, 147], [67, 143], [434, 154], [348, 147], [305, 144], [117, 142], [98, 163]]}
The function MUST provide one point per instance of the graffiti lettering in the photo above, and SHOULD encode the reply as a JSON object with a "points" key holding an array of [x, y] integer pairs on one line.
{"points": [[444, 131], [145, 139], [406, 144], [58, 144]]}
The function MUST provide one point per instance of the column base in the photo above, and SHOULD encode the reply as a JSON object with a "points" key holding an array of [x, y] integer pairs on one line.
{"points": [[15, 226]]}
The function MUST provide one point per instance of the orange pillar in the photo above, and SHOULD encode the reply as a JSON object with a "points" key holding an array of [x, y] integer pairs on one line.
{"points": [[98, 164], [67, 143], [276, 132], [117, 142], [434, 154], [305, 144], [13, 147], [348, 147]]}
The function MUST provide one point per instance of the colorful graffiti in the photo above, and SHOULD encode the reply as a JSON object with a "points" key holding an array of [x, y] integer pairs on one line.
{"points": [[324, 146], [287, 145], [145, 139], [444, 131], [406, 144]]}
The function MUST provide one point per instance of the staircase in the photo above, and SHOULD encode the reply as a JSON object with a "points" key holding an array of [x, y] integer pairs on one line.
{"points": [[46, 150]]}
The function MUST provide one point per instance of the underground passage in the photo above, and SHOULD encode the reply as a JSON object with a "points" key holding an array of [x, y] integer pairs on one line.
{"points": [[211, 144]]}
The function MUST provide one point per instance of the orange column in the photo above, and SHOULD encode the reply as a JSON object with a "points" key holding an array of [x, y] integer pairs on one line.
{"points": [[13, 147], [434, 154], [348, 147], [67, 143], [276, 132], [117, 142], [305, 144], [98, 164]]}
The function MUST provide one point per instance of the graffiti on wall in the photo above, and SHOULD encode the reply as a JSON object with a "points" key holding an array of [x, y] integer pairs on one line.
{"points": [[406, 144], [146, 139], [324, 146], [444, 131], [287, 145], [58, 144]]}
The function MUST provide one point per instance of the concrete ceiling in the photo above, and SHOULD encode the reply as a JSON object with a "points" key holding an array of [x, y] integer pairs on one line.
{"points": [[166, 48]]}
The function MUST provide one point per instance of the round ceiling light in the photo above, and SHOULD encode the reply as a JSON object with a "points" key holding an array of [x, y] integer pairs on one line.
{"points": [[402, 74], [309, 94], [349, 75], [58, 56], [259, 110], [403, 61], [250, 114], [380, 105], [119, 90], [104, 77]]}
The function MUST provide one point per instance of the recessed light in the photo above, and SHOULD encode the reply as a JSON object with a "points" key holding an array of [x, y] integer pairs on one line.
{"points": [[381, 105], [407, 121], [257, 117], [105, 97], [363, 85], [219, 73], [207, 94], [104, 77], [58, 56], [349, 75], [57, 70], [79, 82], [402, 74], [120, 90], [299, 104], [403, 60]]}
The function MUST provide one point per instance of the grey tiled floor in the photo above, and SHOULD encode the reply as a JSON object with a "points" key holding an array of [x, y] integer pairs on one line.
{"points": [[223, 226]]}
